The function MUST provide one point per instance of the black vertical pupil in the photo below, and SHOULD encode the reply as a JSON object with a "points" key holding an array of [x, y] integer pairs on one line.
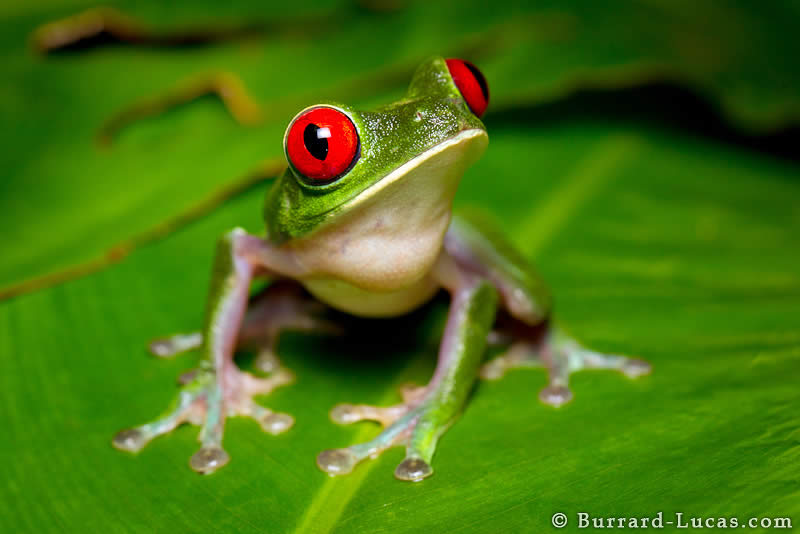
{"points": [[479, 78], [317, 146]]}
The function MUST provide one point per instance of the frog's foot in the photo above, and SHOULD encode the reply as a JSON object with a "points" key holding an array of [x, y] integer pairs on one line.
{"points": [[166, 347], [206, 400], [401, 424], [561, 356], [345, 414]]}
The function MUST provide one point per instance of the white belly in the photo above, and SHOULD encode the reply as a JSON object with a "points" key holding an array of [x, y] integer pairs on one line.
{"points": [[365, 303]]}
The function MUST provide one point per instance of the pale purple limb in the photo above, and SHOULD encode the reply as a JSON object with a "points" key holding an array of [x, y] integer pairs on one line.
{"points": [[218, 388]]}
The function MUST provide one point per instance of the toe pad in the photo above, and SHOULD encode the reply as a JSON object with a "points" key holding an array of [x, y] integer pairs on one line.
{"points": [[337, 461], [208, 459], [413, 469], [130, 439]]}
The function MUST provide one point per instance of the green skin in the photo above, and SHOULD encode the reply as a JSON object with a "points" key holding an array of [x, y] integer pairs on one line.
{"points": [[379, 241]]}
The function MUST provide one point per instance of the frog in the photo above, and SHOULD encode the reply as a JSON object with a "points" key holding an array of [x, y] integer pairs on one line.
{"points": [[361, 223]]}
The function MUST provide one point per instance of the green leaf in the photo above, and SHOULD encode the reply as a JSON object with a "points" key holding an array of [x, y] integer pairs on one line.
{"points": [[657, 242]]}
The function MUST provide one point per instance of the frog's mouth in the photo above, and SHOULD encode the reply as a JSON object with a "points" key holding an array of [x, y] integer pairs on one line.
{"points": [[425, 184], [433, 175], [389, 236]]}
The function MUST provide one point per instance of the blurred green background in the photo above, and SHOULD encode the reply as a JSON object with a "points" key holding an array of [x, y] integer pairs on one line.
{"points": [[642, 153]]}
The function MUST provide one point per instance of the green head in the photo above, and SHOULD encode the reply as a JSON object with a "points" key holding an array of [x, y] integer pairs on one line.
{"points": [[341, 158]]}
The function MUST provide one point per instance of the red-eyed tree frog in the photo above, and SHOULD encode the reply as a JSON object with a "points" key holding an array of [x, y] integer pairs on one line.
{"points": [[361, 222]]}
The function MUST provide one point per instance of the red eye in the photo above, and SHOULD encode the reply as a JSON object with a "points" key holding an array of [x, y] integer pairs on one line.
{"points": [[471, 83], [322, 144]]}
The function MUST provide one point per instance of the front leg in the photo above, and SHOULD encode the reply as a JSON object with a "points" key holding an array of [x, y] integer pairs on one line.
{"points": [[427, 412], [218, 388]]}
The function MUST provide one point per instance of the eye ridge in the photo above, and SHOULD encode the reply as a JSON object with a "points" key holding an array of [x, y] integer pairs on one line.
{"points": [[317, 146]]}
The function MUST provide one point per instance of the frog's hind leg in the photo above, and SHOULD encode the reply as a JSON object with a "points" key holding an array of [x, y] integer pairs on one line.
{"points": [[524, 322], [548, 347], [169, 346], [282, 306]]}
